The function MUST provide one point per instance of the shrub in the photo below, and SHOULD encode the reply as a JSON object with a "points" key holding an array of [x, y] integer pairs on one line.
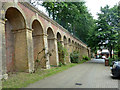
{"points": [[74, 56], [62, 51], [86, 58], [110, 61], [115, 56]]}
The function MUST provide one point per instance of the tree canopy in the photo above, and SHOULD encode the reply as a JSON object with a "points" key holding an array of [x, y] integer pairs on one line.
{"points": [[106, 32], [73, 16]]}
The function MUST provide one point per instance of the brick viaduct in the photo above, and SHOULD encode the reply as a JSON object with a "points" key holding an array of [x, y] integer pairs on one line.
{"points": [[25, 31]]}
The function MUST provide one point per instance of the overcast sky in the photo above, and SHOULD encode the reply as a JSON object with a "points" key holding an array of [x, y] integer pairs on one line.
{"points": [[94, 5]]}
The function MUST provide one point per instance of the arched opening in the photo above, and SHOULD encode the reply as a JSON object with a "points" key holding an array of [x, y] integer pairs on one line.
{"points": [[72, 42], [69, 45], [78, 46], [82, 50], [65, 41], [69, 41], [38, 43], [69, 49], [58, 37], [75, 46], [51, 46], [66, 45], [72, 45], [59, 44], [14, 43]]}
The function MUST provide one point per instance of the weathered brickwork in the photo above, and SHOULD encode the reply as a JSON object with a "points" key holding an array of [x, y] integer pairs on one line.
{"points": [[25, 32]]}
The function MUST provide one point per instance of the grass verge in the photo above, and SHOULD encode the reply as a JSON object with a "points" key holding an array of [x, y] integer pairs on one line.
{"points": [[21, 79]]}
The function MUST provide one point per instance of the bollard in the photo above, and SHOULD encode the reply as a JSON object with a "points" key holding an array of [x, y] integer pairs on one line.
{"points": [[106, 62]]}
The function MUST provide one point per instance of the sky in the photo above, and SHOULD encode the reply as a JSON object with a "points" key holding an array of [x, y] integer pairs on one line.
{"points": [[94, 6]]}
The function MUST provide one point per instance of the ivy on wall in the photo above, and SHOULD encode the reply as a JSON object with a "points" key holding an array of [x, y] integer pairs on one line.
{"points": [[62, 51]]}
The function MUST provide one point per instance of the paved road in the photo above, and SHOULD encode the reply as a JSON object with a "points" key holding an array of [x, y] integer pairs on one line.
{"points": [[92, 74]]}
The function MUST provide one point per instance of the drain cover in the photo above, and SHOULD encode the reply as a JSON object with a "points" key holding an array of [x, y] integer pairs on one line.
{"points": [[78, 84]]}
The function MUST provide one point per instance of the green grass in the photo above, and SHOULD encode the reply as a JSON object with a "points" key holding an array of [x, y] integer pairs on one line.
{"points": [[22, 79]]}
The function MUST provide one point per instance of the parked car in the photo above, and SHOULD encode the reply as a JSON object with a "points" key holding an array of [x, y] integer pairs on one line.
{"points": [[115, 68]]}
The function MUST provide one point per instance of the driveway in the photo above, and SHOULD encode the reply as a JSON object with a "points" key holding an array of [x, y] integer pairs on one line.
{"points": [[92, 74]]}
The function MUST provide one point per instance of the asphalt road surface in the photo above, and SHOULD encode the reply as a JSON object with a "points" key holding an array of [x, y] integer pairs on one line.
{"points": [[92, 74]]}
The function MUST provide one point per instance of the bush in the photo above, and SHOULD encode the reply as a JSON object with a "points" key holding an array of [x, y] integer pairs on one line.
{"points": [[110, 61], [62, 51], [74, 56], [61, 64], [116, 56], [86, 58]]}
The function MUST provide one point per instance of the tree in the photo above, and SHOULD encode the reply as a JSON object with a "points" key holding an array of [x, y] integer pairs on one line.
{"points": [[119, 30], [73, 16], [107, 27], [93, 39]]}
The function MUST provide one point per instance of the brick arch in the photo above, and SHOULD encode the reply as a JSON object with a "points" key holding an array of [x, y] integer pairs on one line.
{"points": [[15, 18], [75, 44], [59, 36], [6, 6], [65, 39], [52, 47], [15, 22], [69, 48], [52, 30], [38, 41], [72, 45], [69, 40], [50, 33], [79, 45], [36, 18], [72, 42], [37, 27]]}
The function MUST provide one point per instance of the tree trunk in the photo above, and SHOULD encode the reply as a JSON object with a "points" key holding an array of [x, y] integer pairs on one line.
{"points": [[110, 51]]}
